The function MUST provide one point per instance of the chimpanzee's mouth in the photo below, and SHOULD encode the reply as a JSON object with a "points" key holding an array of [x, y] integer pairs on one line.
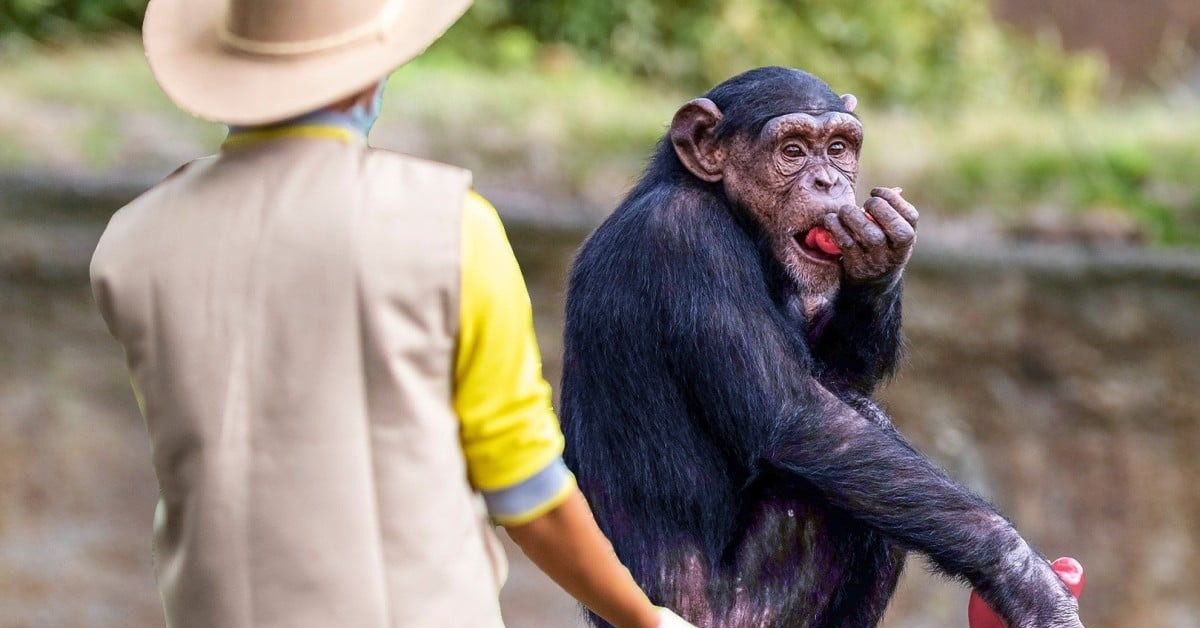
{"points": [[817, 245]]}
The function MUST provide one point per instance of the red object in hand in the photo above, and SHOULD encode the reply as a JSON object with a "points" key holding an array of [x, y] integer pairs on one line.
{"points": [[979, 615], [1070, 572], [820, 238]]}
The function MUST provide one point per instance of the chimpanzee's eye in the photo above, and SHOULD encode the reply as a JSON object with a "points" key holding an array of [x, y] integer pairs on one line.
{"points": [[793, 150], [837, 148]]}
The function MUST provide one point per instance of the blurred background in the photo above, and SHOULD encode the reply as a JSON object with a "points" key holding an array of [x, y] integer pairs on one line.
{"points": [[1052, 310]]}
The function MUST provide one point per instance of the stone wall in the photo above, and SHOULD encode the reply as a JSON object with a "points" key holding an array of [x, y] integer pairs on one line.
{"points": [[1065, 386]]}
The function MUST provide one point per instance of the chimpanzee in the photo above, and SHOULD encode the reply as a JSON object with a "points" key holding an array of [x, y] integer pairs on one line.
{"points": [[725, 330]]}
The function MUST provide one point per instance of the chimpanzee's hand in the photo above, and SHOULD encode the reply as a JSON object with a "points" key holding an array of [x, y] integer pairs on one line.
{"points": [[875, 243], [1066, 616], [1066, 611], [1031, 593]]}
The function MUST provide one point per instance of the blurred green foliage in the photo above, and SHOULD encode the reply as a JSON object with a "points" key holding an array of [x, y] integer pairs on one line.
{"points": [[938, 53], [57, 20], [932, 53], [1137, 161]]}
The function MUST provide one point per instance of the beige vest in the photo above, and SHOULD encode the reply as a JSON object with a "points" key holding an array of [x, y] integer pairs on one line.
{"points": [[289, 311]]}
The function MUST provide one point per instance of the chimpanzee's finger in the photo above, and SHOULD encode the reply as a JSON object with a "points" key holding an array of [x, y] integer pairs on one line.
{"points": [[894, 198], [867, 233], [897, 229], [841, 236]]}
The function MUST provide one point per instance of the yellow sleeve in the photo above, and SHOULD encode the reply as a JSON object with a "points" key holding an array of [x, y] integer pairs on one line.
{"points": [[510, 434]]}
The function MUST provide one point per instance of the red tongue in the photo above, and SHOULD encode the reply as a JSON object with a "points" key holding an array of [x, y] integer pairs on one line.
{"points": [[820, 238]]}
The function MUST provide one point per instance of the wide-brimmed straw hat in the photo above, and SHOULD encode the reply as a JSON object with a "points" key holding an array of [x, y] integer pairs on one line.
{"points": [[250, 62]]}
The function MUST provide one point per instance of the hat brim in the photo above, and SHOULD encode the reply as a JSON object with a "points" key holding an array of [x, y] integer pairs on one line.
{"points": [[209, 80]]}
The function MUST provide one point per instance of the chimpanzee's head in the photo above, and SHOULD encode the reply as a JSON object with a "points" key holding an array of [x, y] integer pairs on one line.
{"points": [[785, 148]]}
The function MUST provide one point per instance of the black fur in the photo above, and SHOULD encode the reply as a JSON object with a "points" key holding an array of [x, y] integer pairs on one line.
{"points": [[731, 485]]}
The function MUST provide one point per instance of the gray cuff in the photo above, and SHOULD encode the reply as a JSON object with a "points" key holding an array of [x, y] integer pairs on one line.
{"points": [[530, 498]]}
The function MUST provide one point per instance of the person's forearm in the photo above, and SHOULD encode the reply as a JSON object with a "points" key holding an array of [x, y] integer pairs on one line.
{"points": [[568, 546]]}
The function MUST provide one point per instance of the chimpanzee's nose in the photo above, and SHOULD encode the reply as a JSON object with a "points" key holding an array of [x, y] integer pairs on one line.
{"points": [[825, 178], [822, 179]]}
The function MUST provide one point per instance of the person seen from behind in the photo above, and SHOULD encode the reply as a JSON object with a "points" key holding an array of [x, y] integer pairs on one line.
{"points": [[332, 346]]}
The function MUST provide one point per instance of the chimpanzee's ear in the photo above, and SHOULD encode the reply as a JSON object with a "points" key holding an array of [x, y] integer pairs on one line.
{"points": [[692, 134], [850, 102]]}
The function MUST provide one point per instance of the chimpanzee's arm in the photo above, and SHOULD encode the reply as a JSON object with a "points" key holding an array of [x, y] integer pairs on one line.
{"points": [[859, 346], [870, 471], [876, 475], [750, 383]]}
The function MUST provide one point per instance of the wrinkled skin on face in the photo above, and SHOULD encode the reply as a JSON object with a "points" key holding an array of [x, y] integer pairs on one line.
{"points": [[796, 179]]}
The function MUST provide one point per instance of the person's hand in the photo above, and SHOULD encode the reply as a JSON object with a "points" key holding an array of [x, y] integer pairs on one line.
{"points": [[668, 619], [877, 239]]}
